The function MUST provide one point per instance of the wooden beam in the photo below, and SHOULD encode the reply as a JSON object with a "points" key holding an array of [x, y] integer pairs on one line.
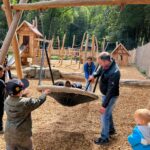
{"points": [[86, 48], [62, 49], [58, 43], [93, 46], [41, 40], [12, 37], [81, 49], [96, 42], [73, 43], [50, 47], [70, 3], [135, 83]]}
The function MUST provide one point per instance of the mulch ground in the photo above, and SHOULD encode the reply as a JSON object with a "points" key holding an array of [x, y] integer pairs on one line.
{"points": [[73, 128]]}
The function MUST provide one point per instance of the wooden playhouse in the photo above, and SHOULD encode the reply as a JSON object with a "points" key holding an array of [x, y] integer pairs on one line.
{"points": [[121, 55], [28, 34]]}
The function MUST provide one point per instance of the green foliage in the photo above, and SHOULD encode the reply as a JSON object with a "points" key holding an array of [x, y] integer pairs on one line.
{"points": [[130, 26], [14, 2]]}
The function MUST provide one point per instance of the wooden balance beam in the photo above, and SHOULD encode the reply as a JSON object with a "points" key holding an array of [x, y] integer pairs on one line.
{"points": [[70, 3]]}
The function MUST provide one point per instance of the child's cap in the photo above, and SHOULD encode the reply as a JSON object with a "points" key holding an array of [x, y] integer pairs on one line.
{"points": [[15, 86]]}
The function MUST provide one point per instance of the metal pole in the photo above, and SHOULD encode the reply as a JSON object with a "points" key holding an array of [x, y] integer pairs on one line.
{"points": [[49, 65]]}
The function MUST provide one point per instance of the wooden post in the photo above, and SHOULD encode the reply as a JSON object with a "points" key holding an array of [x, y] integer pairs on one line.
{"points": [[81, 49], [86, 47], [96, 42], [72, 52], [58, 40], [62, 49], [12, 37], [104, 42], [93, 46], [50, 48]]}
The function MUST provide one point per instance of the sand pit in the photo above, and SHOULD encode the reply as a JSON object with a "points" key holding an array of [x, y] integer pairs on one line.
{"points": [[61, 128]]}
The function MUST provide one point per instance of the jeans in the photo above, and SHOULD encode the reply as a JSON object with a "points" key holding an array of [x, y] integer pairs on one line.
{"points": [[26, 145], [107, 118], [90, 86], [1, 114]]}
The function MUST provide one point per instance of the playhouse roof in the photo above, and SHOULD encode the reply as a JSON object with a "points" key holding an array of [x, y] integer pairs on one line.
{"points": [[123, 49], [31, 27]]}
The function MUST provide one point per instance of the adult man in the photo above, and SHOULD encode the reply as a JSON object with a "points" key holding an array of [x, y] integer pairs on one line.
{"points": [[89, 68], [2, 96], [109, 87]]}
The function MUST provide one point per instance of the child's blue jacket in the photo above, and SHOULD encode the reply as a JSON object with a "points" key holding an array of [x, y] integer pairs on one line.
{"points": [[135, 140], [89, 69]]}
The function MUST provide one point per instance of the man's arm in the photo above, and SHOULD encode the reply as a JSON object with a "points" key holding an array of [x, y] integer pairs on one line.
{"points": [[112, 83], [98, 73]]}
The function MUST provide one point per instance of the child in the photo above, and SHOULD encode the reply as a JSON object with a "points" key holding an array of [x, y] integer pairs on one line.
{"points": [[2, 97], [7, 68], [89, 68], [140, 138], [18, 109]]}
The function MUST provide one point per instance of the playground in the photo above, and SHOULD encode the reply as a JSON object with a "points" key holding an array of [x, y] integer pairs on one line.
{"points": [[57, 127], [40, 47]]}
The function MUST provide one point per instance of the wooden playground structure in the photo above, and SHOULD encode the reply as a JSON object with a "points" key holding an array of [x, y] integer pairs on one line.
{"points": [[14, 12], [121, 55], [29, 36]]}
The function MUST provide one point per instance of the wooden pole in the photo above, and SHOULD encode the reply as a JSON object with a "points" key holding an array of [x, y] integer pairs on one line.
{"points": [[62, 49], [86, 47], [58, 40], [12, 37], [72, 52], [96, 46], [81, 49], [93, 46], [103, 46], [69, 3], [50, 48]]}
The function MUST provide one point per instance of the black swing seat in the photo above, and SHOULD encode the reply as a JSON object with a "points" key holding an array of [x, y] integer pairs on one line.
{"points": [[69, 96]]}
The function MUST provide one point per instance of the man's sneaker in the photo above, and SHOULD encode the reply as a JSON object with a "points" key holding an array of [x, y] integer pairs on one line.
{"points": [[101, 141], [112, 133]]}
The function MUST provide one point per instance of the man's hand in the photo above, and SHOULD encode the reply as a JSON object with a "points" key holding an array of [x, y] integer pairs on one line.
{"points": [[47, 91], [102, 110], [91, 78]]}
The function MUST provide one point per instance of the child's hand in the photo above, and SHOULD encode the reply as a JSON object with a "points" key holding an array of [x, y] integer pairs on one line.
{"points": [[26, 92], [47, 91], [91, 78]]}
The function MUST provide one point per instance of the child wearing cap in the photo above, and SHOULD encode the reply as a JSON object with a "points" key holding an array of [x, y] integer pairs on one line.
{"points": [[140, 138], [18, 109], [2, 97]]}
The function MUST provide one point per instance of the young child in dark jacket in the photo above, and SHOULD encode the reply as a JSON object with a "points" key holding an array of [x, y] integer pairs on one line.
{"points": [[2, 97], [18, 109], [140, 138]]}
